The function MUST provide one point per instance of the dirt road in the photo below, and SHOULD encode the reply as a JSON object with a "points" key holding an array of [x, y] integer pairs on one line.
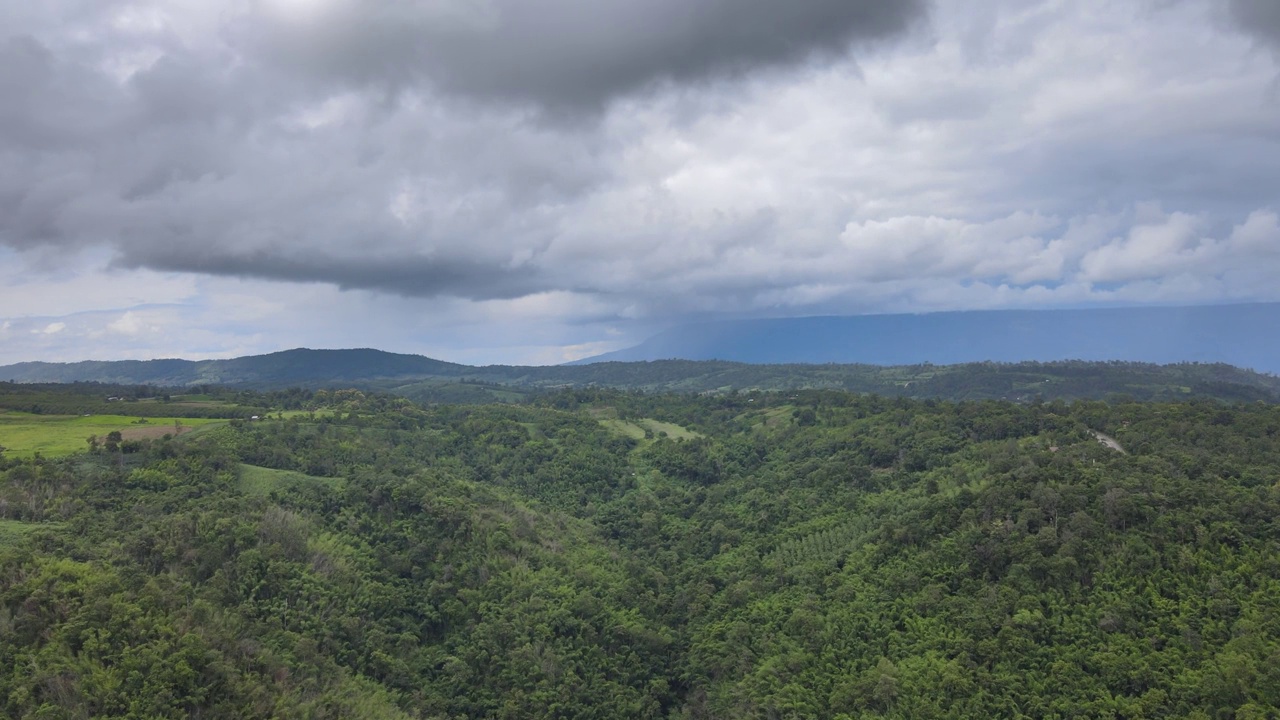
{"points": [[1108, 441]]}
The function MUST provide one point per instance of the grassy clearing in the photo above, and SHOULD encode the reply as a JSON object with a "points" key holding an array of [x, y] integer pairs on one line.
{"points": [[535, 432], [304, 414], [672, 430], [641, 428], [14, 531], [624, 428], [255, 480], [780, 416], [198, 404], [23, 434], [199, 400]]}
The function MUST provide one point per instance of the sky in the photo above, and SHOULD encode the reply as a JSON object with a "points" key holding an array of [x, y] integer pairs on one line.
{"points": [[500, 181]]}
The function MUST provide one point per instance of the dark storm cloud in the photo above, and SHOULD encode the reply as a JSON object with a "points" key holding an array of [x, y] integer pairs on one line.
{"points": [[78, 148], [573, 52], [42, 106], [216, 143], [420, 277], [1259, 17], [185, 165]]}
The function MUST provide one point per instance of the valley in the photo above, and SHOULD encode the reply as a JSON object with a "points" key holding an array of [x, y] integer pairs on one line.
{"points": [[592, 553]]}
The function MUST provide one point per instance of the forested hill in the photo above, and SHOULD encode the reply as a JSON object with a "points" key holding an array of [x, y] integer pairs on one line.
{"points": [[428, 380], [300, 367], [597, 554], [973, 381]]}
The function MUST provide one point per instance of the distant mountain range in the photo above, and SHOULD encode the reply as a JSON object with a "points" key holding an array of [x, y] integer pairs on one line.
{"points": [[427, 380], [301, 367], [1246, 336]]}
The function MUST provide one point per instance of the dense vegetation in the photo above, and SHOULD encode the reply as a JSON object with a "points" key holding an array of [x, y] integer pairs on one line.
{"points": [[593, 554]]}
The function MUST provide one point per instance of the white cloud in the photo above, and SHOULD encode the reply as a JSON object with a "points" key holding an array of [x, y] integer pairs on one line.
{"points": [[131, 323], [1258, 235], [1152, 250], [1176, 245]]}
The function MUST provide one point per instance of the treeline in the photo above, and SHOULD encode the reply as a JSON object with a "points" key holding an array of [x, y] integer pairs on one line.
{"points": [[1019, 382], [431, 381], [202, 401], [807, 554], [93, 398]]}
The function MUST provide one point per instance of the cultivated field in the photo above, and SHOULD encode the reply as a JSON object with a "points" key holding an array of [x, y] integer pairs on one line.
{"points": [[640, 428], [24, 434]]}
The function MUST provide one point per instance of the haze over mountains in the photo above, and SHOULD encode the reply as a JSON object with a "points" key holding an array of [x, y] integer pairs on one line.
{"points": [[1246, 336], [1147, 353]]}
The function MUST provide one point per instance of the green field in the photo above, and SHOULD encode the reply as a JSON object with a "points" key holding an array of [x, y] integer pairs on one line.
{"points": [[256, 480], [13, 531], [24, 434], [304, 414], [638, 428]]}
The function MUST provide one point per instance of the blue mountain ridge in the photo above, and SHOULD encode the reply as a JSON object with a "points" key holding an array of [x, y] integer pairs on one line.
{"points": [[1246, 336]]}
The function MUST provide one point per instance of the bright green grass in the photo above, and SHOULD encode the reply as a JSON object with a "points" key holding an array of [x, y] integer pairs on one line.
{"points": [[624, 428], [304, 414], [24, 434], [255, 480], [671, 429], [13, 531], [636, 429], [770, 417]]}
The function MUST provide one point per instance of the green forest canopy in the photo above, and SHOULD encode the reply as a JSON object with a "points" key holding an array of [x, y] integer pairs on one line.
{"points": [[807, 554]]}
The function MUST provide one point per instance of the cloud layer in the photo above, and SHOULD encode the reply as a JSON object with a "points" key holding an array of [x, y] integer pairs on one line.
{"points": [[578, 53], [591, 170], [1260, 17]]}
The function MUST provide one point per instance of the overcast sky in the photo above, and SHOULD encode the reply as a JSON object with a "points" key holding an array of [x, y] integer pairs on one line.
{"points": [[532, 182]]}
